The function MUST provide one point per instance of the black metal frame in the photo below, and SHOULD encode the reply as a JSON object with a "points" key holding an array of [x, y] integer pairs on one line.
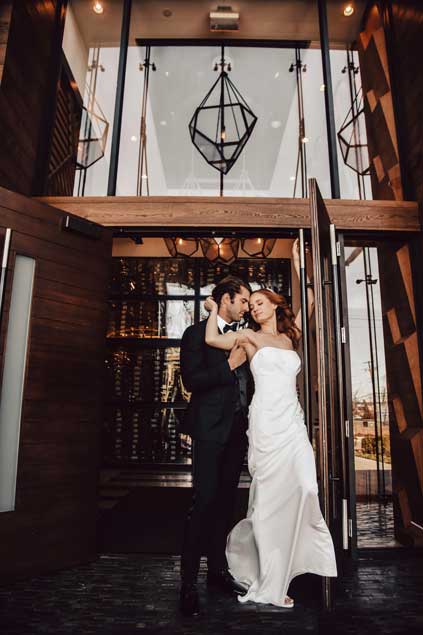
{"points": [[120, 90], [330, 110]]}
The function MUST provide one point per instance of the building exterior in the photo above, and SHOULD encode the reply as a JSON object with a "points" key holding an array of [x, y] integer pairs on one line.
{"points": [[95, 155]]}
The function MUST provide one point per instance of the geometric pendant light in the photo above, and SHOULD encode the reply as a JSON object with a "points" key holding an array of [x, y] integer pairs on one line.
{"points": [[222, 124]]}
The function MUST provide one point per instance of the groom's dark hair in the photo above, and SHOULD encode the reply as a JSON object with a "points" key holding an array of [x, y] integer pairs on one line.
{"points": [[231, 285]]}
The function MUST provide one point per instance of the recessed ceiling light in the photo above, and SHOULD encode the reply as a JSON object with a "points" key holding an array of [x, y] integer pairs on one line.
{"points": [[98, 7], [276, 124], [292, 178], [276, 74], [133, 138], [322, 88], [349, 10], [167, 73], [163, 122]]}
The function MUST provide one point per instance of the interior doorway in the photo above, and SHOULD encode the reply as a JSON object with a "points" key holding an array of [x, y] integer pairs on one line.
{"points": [[386, 389], [154, 296]]}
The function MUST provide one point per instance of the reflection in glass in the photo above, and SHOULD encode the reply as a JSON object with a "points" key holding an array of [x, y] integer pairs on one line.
{"points": [[150, 318], [91, 48], [153, 300], [155, 276], [342, 103], [268, 163], [372, 455], [145, 375], [144, 434]]}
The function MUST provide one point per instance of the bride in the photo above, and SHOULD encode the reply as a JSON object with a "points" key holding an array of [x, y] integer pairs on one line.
{"points": [[284, 534]]}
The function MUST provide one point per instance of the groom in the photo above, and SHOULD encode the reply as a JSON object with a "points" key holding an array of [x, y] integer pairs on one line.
{"points": [[216, 420]]}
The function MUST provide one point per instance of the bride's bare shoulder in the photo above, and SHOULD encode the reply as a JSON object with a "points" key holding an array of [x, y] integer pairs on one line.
{"points": [[248, 335]]}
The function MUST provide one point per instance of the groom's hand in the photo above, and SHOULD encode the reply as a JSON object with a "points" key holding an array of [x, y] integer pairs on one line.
{"points": [[237, 357]]}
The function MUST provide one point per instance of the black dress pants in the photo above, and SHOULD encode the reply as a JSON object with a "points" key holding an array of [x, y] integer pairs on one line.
{"points": [[216, 471]]}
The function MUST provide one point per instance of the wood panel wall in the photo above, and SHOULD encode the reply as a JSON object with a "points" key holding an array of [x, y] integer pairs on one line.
{"points": [[405, 31], [54, 524], [5, 17], [378, 107], [27, 93], [404, 381]]}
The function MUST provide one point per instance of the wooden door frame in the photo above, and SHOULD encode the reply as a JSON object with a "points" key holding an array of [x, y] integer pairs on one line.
{"points": [[238, 213]]}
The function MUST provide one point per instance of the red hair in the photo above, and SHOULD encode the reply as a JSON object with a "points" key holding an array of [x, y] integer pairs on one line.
{"points": [[285, 318]]}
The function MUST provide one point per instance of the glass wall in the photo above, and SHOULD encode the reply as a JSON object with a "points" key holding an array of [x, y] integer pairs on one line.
{"points": [[372, 447], [267, 165], [91, 46], [156, 154], [353, 157], [152, 302]]}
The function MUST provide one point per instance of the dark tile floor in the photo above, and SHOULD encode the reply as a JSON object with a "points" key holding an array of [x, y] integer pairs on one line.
{"points": [[129, 594], [375, 524]]}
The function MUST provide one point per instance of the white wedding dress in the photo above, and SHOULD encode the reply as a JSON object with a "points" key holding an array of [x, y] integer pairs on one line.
{"points": [[284, 533]]}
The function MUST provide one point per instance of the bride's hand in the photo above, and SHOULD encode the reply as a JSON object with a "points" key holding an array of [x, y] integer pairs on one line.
{"points": [[210, 304], [296, 250]]}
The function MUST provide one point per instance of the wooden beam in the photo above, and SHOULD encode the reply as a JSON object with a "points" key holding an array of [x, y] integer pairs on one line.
{"points": [[284, 213]]}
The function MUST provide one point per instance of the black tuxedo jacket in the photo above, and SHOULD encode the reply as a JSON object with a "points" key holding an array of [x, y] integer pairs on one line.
{"points": [[214, 387]]}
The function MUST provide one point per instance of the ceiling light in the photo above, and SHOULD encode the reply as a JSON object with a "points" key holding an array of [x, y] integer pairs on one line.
{"points": [[276, 74], [349, 10], [305, 140], [322, 88], [98, 7], [163, 123], [292, 178], [133, 138], [275, 124]]}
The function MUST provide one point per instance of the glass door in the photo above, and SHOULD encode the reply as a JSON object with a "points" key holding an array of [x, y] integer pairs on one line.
{"points": [[331, 408]]}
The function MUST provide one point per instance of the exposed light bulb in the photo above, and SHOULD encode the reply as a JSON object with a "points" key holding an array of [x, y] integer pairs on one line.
{"points": [[223, 134], [180, 241], [349, 10], [219, 240], [259, 241], [98, 8]]}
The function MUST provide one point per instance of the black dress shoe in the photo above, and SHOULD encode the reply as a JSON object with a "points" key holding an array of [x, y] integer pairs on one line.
{"points": [[223, 581], [188, 601]]}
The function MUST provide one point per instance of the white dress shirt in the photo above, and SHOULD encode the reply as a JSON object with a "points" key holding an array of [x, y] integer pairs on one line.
{"points": [[221, 323]]}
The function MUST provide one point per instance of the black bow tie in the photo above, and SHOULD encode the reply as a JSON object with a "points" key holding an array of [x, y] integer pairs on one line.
{"points": [[230, 327]]}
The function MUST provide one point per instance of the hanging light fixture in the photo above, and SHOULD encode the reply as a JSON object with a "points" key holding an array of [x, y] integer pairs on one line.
{"points": [[179, 246], [94, 126], [352, 141], [222, 124], [220, 250], [258, 247]]}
